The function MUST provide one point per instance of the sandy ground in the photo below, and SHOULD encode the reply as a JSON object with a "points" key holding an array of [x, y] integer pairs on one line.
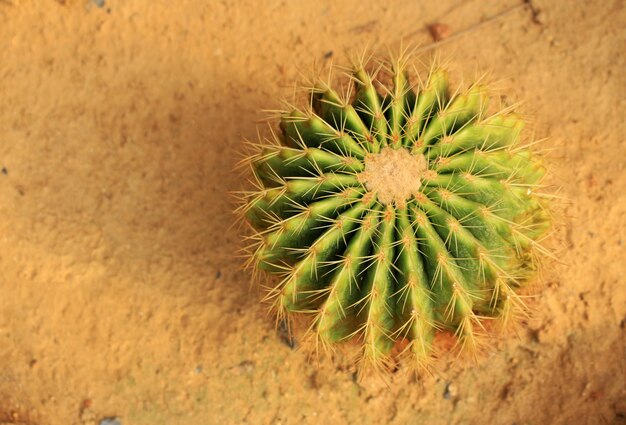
{"points": [[119, 292]]}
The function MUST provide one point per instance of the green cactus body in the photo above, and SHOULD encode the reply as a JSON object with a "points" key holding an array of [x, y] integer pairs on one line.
{"points": [[396, 213]]}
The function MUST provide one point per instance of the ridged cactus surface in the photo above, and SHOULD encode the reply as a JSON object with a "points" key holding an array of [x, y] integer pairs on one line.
{"points": [[396, 208]]}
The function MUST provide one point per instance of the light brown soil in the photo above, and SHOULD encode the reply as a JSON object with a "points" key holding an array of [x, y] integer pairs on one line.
{"points": [[120, 293]]}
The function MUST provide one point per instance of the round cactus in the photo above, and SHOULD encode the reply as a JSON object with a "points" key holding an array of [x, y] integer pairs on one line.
{"points": [[391, 210]]}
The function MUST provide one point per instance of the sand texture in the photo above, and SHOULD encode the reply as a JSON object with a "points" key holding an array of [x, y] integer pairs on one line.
{"points": [[120, 292]]}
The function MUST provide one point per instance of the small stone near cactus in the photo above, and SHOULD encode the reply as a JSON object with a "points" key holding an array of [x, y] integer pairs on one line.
{"points": [[393, 211]]}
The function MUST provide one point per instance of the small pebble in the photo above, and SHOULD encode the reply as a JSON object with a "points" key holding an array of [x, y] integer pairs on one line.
{"points": [[99, 3], [245, 367], [110, 421], [285, 335], [539, 17], [450, 391], [439, 31]]}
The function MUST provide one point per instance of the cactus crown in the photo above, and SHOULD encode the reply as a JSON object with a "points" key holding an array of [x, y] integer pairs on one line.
{"points": [[396, 210]]}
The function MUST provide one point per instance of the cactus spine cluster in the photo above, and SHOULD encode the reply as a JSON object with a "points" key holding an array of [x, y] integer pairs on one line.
{"points": [[394, 209]]}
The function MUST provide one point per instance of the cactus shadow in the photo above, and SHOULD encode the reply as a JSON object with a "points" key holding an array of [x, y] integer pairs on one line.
{"points": [[175, 229]]}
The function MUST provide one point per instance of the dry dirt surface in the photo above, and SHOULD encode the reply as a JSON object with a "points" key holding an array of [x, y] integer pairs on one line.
{"points": [[120, 292]]}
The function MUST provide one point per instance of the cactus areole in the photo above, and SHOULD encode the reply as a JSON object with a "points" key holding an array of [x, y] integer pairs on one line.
{"points": [[389, 212]]}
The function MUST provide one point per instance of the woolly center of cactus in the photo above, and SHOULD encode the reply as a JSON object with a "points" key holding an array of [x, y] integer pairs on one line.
{"points": [[393, 174]]}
